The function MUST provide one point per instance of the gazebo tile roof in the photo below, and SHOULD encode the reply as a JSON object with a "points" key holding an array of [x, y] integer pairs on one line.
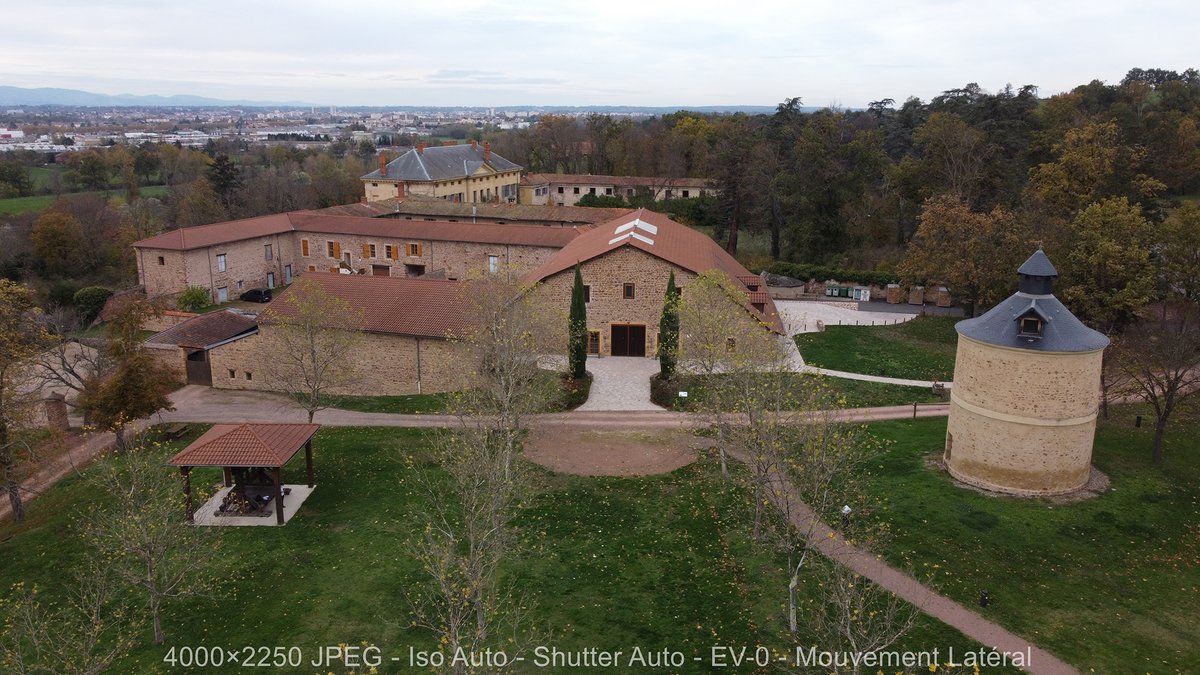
{"points": [[267, 445]]}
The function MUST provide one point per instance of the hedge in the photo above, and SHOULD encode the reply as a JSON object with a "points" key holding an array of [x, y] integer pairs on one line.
{"points": [[805, 271]]}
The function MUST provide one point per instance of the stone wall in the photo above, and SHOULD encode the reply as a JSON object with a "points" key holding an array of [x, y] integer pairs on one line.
{"points": [[379, 365], [606, 276], [1022, 421], [459, 260]]}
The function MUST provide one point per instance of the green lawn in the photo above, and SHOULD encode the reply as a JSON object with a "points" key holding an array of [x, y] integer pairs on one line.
{"points": [[614, 563], [850, 393], [18, 205], [396, 405], [1110, 584], [920, 349]]}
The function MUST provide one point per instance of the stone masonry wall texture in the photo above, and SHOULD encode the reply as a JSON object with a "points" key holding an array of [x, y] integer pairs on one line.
{"points": [[379, 365], [1022, 421], [606, 276]]}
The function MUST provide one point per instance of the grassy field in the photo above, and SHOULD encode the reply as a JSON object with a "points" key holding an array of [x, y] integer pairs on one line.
{"points": [[1110, 584], [656, 562], [573, 395], [920, 349], [18, 205], [850, 393]]}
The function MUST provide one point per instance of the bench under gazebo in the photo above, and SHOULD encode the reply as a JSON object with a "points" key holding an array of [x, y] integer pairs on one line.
{"points": [[251, 456]]}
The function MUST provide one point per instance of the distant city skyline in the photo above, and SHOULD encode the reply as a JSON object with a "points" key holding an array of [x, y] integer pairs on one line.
{"points": [[537, 52]]}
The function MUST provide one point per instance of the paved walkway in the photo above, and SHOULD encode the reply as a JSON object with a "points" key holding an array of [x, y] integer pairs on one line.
{"points": [[69, 462], [801, 316], [830, 543], [620, 383]]}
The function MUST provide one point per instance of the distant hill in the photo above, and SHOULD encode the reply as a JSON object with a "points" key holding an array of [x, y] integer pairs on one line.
{"points": [[10, 96], [75, 97]]}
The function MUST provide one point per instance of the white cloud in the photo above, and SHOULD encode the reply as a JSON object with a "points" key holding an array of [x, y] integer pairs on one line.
{"points": [[702, 52]]}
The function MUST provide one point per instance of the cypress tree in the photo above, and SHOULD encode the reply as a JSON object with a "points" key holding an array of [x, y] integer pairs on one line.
{"points": [[577, 336], [668, 330]]}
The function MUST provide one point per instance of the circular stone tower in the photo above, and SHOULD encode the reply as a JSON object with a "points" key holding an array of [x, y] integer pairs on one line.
{"points": [[1026, 392]]}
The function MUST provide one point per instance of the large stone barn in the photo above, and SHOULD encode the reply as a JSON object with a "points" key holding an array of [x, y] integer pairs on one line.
{"points": [[625, 264], [1026, 392]]}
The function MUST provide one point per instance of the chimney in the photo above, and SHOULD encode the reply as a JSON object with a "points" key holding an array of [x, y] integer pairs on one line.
{"points": [[474, 144], [487, 151], [400, 190], [421, 148], [382, 165]]}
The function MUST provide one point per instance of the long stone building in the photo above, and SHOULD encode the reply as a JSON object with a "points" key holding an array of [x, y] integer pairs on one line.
{"points": [[410, 318]]}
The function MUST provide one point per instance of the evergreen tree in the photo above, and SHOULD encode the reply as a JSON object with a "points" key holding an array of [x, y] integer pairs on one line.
{"points": [[577, 330], [668, 330]]}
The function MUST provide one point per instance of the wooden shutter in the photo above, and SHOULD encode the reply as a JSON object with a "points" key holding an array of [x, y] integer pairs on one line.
{"points": [[366, 251], [337, 249], [304, 247]]}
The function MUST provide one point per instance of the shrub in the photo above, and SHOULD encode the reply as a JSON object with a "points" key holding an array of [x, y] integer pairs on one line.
{"points": [[89, 301], [194, 299], [805, 271], [62, 293]]}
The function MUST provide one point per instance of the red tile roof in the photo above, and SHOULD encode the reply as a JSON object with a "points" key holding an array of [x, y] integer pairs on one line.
{"points": [[443, 209], [622, 181], [392, 305], [205, 330], [662, 238], [433, 230], [202, 236], [269, 445]]}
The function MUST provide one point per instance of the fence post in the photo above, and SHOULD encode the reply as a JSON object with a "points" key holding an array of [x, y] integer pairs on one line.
{"points": [[914, 410]]}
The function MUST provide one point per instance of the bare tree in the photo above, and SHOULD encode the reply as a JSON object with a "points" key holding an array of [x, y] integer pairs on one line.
{"points": [[22, 337], [81, 635], [69, 363], [506, 345], [467, 537], [782, 426], [1160, 363], [465, 603], [855, 616], [144, 538], [310, 337]]}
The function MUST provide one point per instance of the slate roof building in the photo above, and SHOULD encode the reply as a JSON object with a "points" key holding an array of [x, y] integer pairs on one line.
{"points": [[459, 173], [1026, 392]]}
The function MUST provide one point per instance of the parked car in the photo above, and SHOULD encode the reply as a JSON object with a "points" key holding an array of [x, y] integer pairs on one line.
{"points": [[257, 295]]}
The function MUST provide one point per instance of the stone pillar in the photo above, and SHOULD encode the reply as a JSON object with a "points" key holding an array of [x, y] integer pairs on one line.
{"points": [[56, 412]]}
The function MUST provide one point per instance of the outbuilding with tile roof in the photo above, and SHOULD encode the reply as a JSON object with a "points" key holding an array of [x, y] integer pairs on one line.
{"points": [[625, 264]]}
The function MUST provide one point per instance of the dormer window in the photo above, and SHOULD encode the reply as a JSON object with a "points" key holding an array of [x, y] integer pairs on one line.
{"points": [[1031, 326]]}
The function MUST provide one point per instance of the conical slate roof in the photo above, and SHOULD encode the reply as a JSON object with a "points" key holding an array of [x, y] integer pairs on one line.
{"points": [[1060, 330], [1038, 265]]}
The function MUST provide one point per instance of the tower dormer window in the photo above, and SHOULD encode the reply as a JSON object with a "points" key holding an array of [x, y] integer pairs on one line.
{"points": [[1031, 326]]}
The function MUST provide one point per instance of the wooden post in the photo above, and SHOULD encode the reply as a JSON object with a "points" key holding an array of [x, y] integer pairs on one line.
{"points": [[187, 492], [278, 496], [308, 461], [914, 410], [228, 476]]}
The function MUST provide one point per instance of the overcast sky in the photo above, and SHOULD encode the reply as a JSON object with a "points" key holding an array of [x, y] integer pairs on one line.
{"points": [[566, 52]]}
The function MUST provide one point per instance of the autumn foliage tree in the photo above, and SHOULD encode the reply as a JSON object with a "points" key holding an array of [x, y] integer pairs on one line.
{"points": [[972, 253], [137, 386]]}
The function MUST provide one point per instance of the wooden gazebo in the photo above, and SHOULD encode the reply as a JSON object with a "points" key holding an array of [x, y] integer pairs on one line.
{"points": [[247, 446]]}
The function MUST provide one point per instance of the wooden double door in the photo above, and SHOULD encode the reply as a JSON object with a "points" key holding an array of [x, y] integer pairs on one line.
{"points": [[628, 340]]}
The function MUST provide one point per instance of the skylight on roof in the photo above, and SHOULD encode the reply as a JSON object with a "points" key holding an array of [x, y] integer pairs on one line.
{"points": [[639, 224]]}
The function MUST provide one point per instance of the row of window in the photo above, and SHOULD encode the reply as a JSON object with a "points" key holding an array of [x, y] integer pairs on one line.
{"points": [[333, 249], [628, 192]]}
